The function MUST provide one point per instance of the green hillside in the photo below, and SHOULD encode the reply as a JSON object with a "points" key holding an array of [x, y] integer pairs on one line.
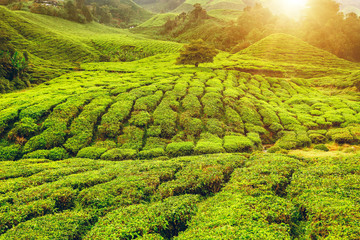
{"points": [[119, 142], [55, 45]]}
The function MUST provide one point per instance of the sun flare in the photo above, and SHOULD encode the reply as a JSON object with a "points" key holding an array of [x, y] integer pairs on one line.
{"points": [[292, 8]]}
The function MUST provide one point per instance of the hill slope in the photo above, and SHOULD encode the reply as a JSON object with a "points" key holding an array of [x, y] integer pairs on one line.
{"points": [[55, 44], [287, 48], [211, 5]]}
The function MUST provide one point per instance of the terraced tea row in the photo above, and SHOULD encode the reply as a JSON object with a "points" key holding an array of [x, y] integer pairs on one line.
{"points": [[44, 187], [199, 197], [138, 114]]}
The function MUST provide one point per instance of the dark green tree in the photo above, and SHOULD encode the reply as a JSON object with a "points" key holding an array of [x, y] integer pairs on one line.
{"points": [[196, 52]]}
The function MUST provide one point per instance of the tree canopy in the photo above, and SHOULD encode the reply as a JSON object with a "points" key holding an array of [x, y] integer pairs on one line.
{"points": [[196, 52]]}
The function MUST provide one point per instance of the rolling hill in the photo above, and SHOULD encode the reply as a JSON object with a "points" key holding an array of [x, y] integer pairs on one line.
{"points": [[286, 48], [211, 5], [55, 45], [245, 147]]}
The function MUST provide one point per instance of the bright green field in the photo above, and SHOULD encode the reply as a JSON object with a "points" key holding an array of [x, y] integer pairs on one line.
{"points": [[246, 147]]}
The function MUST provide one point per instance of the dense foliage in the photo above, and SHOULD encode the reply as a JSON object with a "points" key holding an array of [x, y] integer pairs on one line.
{"points": [[196, 52], [225, 196]]}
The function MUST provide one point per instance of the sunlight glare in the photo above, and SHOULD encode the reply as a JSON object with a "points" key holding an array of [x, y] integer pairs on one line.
{"points": [[293, 7]]}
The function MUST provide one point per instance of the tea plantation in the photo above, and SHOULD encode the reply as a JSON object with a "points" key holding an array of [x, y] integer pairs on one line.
{"points": [[152, 150]]}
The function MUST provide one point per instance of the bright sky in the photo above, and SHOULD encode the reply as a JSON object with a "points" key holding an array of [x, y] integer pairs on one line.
{"points": [[291, 8]]}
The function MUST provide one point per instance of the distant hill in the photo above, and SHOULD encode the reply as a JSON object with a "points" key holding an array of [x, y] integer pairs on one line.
{"points": [[286, 48], [160, 5], [124, 11], [186, 5], [213, 4], [346, 6]]}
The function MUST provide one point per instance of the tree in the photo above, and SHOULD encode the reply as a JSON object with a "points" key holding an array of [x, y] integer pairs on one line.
{"points": [[196, 52]]}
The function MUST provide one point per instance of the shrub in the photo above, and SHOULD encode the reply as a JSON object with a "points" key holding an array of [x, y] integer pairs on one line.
{"points": [[95, 198], [237, 144], [191, 104], [64, 198], [166, 218], [26, 128], [209, 144], [155, 142], [10, 153], [82, 127], [140, 119], [213, 106], [176, 149], [50, 138], [179, 89], [192, 126], [254, 195], [355, 131], [288, 140], [91, 152], [255, 128], [233, 120], [335, 118], [68, 225], [165, 117], [131, 138], [274, 149], [255, 138], [197, 91], [287, 120], [154, 131], [27, 211], [108, 144], [321, 147], [203, 175], [111, 121], [276, 127], [269, 116], [117, 154], [38, 110], [231, 93], [151, 153], [52, 154], [79, 141], [317, 138], [248, 112], [39, 154], [340, 135], [215, 126], [148, 103]]}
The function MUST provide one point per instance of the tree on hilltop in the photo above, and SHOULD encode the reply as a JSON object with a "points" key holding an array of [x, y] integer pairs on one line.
{"points": [[196, 52]]}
